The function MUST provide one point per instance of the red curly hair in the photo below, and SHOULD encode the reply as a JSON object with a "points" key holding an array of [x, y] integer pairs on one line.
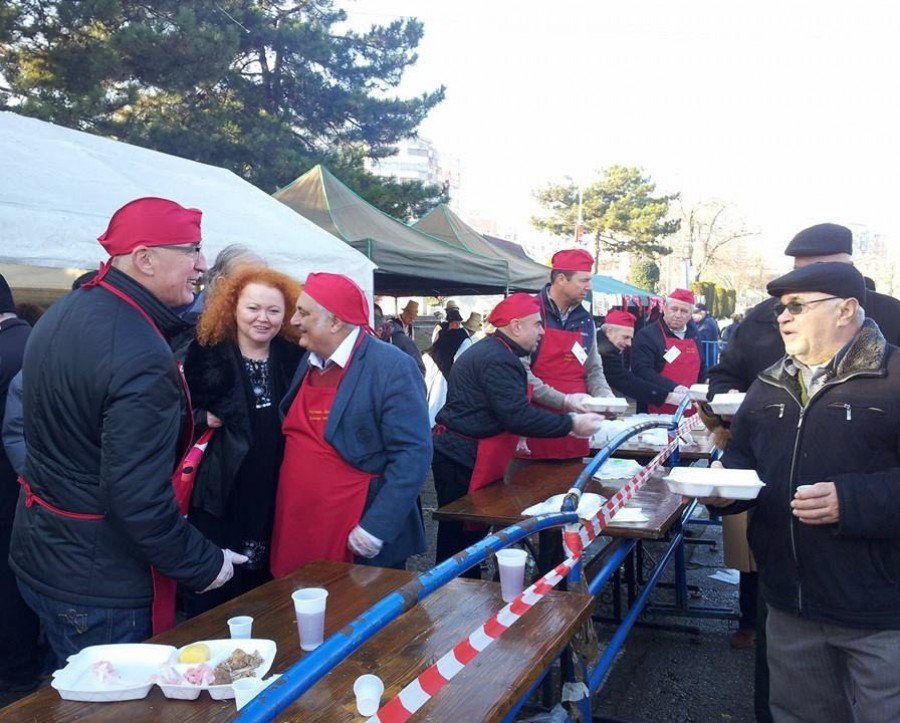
{"points": [[217, 322]]}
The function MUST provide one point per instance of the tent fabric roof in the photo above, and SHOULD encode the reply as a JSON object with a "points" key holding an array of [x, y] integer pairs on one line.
{"points": [[409, 261], [524, 274], [509, 246], [614, 287], [60, 186]]}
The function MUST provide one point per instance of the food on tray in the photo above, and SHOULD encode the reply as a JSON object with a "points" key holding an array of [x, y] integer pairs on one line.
{"points": [[104, 672], [236, 666], [198, 653], [200, 675]]}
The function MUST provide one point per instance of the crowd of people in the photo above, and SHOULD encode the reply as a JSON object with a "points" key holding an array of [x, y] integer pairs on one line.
{"points": [[167, 450]]}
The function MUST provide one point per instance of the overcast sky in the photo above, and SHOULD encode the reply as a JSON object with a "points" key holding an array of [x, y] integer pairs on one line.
{"points": [[786, 109]]}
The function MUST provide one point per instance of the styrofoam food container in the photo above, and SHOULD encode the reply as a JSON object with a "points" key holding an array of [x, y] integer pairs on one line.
{"points": [[698, 392], [735, 484], [727, 404], [135, 665], [618, 405], [219, 650]]}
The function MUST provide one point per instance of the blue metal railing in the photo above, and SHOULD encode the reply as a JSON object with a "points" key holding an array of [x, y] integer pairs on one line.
{"points": [[304, 674]]}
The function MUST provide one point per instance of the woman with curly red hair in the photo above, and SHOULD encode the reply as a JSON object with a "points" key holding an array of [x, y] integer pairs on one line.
{"points": [[238, 369]]}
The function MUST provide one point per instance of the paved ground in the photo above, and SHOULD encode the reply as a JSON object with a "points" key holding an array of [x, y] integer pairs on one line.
{"points": [[689, 675]]}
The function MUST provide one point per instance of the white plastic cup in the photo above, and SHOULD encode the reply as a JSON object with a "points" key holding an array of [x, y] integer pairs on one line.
{"points": [[512, 572], [245, 690], [240, 626], [309, 606], [368, 690]]}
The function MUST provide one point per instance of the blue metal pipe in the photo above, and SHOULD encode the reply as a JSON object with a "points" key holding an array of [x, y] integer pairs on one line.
{"points": [[610, 567], [301, 676]]}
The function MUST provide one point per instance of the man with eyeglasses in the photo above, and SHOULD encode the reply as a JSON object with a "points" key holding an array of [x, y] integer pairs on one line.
{"points": [[107, 418], [821, 429], [667, 353]]}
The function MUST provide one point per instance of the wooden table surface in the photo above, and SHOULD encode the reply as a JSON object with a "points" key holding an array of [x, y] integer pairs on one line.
{"points": [[484, 690], [501, 504], [701, 448]]}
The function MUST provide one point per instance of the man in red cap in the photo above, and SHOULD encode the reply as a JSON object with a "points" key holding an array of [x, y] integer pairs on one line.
{"points": [[565, 368], [667, 352], [616, 335], [107, 418], [357, 442], [487, 410]]}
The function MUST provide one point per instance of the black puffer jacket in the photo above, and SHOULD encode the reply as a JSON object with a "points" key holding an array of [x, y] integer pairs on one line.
{"points": [[103, 410], [487, 395], [622, 380], [215, 377], [846, 573]]}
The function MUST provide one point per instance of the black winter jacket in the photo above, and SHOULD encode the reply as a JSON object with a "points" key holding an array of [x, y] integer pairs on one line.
{"points": [[103, 408], [216, 379], [622, 380], [647, 352], [846, 573], [487, 395]]}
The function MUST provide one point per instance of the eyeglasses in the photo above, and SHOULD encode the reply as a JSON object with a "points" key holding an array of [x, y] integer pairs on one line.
{"points": [[798, 307], [193, 250]]}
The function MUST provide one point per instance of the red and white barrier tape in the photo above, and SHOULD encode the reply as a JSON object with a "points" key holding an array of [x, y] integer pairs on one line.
{"points": [[575, 538]]}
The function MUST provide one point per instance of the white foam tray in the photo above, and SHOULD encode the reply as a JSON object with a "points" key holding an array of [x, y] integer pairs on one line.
{"points": [[727, 404], [735, 484], [618, 405]]}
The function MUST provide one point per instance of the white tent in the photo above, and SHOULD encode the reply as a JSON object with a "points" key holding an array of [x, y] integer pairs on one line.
{"points": [[59, 187]]}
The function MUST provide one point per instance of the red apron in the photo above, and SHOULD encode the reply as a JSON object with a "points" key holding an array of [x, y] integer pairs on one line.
{"points": [[320, 498], [684, 369], [558, 367]]}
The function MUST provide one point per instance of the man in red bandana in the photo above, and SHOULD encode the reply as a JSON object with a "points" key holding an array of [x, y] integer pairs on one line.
{"points": [[667, 352], [357, 443], [106, 420], [487, 411], [565, 369]]}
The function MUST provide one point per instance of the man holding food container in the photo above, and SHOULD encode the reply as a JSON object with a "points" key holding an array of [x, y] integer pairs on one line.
{"points": [[821, 428]]}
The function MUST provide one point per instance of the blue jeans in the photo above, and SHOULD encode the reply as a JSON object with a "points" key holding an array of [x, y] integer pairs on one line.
{"points": [[70, 627]]}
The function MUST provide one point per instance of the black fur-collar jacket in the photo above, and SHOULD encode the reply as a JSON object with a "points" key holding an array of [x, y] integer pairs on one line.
{"points": [[217, 382]]}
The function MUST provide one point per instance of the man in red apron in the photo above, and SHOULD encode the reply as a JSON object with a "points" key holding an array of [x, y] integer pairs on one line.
{"points": [[565, 369], [487, 410], [667, 351], [357, 443], [106, 419]]}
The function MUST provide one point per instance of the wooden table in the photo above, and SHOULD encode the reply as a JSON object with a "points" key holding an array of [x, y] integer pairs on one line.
{"points": [[501, 504], [483, 691], [701, 448]]}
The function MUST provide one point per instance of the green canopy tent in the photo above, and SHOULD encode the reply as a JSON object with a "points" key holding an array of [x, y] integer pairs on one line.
{"points": [[617, 293], [524, 274], [409, 261]]}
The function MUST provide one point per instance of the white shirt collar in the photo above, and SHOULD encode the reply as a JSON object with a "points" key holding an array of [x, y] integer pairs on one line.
{"points": [[341, 355]]}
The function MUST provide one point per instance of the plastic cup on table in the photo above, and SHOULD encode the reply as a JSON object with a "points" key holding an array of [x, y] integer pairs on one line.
{"points": [[368, 690], [512, 572], [309, 606], [240, 626], [245, 690]]}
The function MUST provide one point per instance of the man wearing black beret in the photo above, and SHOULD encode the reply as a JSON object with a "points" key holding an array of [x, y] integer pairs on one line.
{"points": [[820, 427]]}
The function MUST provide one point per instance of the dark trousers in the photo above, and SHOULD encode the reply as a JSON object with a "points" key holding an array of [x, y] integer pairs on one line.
{"points": [[747, 600], [761, 670], [20, 653], [451, 481]]}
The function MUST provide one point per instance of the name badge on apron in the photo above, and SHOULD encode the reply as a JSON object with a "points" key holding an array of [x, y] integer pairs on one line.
{"points": [[672, 354], [579, 352]]}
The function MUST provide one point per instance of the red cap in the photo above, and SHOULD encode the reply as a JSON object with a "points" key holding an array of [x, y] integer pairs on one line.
{"points": [[620, 318], [150, 222], [683, 295], [572, 260], [514, 306], [340, 295]]}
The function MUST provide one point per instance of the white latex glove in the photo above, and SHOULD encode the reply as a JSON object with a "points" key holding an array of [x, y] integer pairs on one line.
{"points": [[675, 398], [227, 572], [363, 544], [522, 446], [576, 402], [585, 425], [681, 389], [212, 421]]}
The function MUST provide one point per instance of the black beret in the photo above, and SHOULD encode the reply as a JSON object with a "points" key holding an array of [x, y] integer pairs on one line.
{"points": [[7, 306], [700, 307], [831, 277], [453, 314], [823, 239]]}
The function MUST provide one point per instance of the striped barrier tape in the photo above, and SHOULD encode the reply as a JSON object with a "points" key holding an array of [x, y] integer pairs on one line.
{"points": [[575, 537]]}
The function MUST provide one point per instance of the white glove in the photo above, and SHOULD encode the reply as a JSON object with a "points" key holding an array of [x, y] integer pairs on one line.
{"points": [[363, 544], [674, 398], [576, 402], [230, 559], [585, 425], [522, 446]]}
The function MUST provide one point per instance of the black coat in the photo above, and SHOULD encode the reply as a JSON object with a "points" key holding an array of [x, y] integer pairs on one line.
{"points": [[846, 573], [487, 395], [216, 379], [622, 380], [13, 335], [647, 360], [104, 409], [756, 343]]}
